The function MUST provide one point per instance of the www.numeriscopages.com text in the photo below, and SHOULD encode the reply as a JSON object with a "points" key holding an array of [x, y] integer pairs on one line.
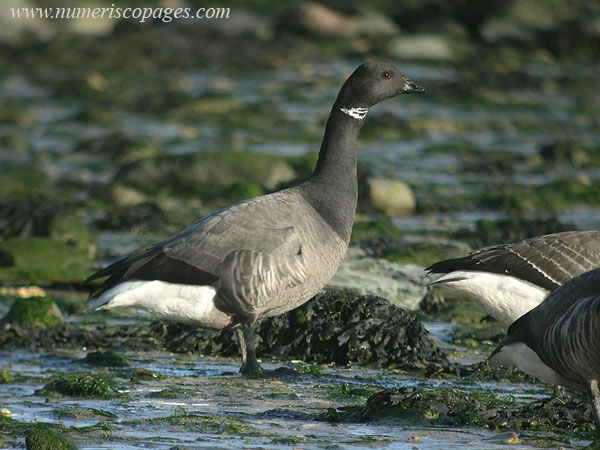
{"points": [[141, 14]]}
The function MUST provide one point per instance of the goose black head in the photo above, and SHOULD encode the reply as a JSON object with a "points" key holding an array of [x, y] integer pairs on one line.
{"points": [[371, 83]]}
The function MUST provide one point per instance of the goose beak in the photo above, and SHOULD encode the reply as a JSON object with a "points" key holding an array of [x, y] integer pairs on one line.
{"points": [[411, 87]]}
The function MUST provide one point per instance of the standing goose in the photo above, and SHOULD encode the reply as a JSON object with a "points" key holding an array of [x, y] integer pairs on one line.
{"points": [[558, 341], [264, 256], [507, 280]]}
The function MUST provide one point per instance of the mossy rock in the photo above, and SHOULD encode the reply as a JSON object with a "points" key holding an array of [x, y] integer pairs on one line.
{"points": [[4, 377], [205, 173], [35, 312], [97, 384], [242, 190], [42, 260], [43, 438], [71, 230], [110, 359], [22, 182]]}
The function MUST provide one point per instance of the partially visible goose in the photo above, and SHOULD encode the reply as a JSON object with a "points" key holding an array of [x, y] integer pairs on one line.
{"points": [[264, 256], [558, 341], [507, 280]]}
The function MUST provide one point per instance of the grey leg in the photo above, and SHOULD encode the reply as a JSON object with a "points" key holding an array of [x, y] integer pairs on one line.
{"points": [[595, 393], [245, 335]]}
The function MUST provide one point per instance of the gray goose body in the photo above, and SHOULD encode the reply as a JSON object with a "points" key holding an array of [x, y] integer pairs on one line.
{"points": [[559, 340], [508, 280], [263, 256]]}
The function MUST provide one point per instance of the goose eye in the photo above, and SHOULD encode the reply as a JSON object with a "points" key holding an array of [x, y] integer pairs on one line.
{"points": [[386, 74]]}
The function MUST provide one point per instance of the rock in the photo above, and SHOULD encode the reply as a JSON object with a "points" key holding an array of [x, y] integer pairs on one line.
{"points": [[22, 182], [110, 359], [393, 197], [42, 260], [209, 172], [143, 217], [401, 284], [424, 47], [13, 29], [333, 327], [499, 30], [320, 20], [41, 437], [33, 312], [26, 217], [71, 230]]}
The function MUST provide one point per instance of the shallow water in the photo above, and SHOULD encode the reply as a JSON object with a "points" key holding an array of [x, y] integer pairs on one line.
{"points": [[226, 410]]}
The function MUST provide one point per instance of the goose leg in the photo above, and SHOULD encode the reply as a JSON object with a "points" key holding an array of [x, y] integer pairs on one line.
{"points": [[595, 393], [246, 342]]}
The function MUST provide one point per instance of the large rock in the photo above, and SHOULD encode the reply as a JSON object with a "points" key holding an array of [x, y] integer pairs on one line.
{"points": [[333, 327], [402, 284], [196, 174], [42, 260], [434, 47], [34, 312]]}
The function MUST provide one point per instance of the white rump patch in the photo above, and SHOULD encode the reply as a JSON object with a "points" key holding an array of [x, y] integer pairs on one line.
{"points": [[517, 354], [184, 303], [504, 297], [357, 113]]}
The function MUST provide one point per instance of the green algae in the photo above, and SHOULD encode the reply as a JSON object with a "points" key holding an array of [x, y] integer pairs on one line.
{"points": [[110, 359], [223, 425], [4, 377], [31, 312], [85, 413], [20, 182], [42, 260], [43, 438], [141, 374], [73, 231], [98, 384]]}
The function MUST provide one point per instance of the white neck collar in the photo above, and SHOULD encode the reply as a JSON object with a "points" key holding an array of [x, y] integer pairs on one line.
{"points": [[356, 113]]}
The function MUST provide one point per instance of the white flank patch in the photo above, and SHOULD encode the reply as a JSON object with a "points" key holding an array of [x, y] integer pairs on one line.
{"points": [[517, 354], [182, 303], [357, 113], [504, 297]]}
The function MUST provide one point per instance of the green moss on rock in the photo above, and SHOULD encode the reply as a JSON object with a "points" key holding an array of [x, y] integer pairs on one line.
{"points": [[73, 231], [21, 182], [42, 260], [35, 312], [43, 438], [97, 384], [106, 359]]}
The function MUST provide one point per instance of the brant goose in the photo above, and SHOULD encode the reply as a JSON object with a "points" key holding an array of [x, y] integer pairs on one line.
{"points": [[558, 341], [264, 256], [507, 280]]}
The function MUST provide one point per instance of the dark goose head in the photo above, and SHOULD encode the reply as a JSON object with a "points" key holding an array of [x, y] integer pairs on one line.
{"points": [[373, 82]]}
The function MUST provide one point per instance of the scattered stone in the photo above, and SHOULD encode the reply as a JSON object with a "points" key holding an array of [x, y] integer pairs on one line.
{"points": [[32, 312], [4, 377], [393, 197]]}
